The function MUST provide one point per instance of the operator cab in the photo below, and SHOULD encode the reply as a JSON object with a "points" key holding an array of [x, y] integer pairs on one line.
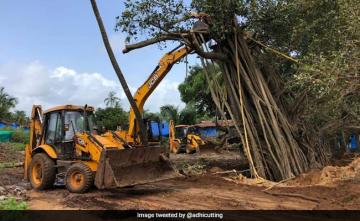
{"points": [[181, 131], [62, 123]]}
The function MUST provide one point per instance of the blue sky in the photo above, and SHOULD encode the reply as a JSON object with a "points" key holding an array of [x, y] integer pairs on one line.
{"points": [[51, 52]]}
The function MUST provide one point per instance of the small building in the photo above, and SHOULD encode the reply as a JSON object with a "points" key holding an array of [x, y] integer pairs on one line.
{"points": [[207, 129]]}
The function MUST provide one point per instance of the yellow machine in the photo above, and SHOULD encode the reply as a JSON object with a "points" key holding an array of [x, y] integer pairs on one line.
{"points": [[184, 138], [141, 95], [65, 147]]}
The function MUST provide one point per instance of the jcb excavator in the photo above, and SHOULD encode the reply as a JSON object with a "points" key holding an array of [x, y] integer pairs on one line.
{"points": [[184, 138], [65, 147]]}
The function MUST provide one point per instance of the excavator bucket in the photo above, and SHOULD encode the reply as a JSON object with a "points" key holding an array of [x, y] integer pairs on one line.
{"points": [[128, 167]]}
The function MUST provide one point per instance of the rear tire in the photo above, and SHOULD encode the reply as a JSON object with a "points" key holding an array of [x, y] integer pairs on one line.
{"points": [[42, 172], [79, 178]]}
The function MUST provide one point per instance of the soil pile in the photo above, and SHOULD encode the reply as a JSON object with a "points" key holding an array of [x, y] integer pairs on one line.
{"points": [[329, 175]]}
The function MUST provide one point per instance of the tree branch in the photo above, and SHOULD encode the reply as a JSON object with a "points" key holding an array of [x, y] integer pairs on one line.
{"points": [[207, 55], [164, 37]]}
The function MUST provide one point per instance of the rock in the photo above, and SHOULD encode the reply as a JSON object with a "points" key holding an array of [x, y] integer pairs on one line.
{"points": [[3, 198]]}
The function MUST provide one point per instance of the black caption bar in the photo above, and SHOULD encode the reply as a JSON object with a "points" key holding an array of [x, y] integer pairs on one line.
{"points": [[112, 215]]}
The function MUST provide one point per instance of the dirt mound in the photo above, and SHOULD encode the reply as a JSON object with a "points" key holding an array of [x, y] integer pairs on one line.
{"points": [[329, 175]]}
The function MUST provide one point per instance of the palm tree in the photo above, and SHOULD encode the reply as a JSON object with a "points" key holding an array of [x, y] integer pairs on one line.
{"points": [[112, 100], [19, 117], [6, 103]]}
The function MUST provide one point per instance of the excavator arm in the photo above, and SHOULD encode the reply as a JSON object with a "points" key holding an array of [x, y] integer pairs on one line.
{"points": [[35, 135], [145, 90]]}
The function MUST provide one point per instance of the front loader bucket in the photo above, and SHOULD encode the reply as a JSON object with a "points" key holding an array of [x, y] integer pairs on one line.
{"points": [[128, 167]]}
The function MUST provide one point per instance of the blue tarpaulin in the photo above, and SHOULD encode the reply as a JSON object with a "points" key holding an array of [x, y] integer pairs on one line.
{"points": [[14, 125], [164, 127], [155, 130], [353, 142]]}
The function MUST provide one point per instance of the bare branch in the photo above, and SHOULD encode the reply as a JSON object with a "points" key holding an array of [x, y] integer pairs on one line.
{"points": [[165, 37]]}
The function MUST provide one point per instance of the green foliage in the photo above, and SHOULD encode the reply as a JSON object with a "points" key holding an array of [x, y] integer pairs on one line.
{"points": [[185, 116], [19, 117], [111, 117], [323, 35], [222, 15], [7, 165], [195, 90], [152, 116], [188, 115], [6, 103], [169, 112], [330, 73], [20, 136], [149, 18], [296, 27], [12, 204]]}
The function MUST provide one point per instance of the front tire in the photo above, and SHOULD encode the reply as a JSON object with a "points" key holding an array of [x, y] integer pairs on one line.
{"points": [[42, 171], [79, 178]]}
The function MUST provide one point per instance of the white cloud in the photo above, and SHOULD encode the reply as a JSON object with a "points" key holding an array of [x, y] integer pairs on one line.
{"points": [[34, 83], [166, 93]]}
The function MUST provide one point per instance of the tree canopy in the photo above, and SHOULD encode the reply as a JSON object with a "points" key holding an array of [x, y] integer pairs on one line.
{"points": [[6, 103], [280, 107], [113, 115], [195, 91]]}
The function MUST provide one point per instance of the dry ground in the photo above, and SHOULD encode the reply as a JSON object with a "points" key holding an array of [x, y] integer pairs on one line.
{"points": [[207, 187]]}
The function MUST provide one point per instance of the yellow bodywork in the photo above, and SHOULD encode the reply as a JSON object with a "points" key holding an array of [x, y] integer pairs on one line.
{"points": [[113, 154], [145, 90], [174, 143], [112, 160], [192, 142]]}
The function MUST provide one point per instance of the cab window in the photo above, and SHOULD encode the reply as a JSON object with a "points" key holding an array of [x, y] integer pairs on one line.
{"points": [[54, 128], [75, 122]]}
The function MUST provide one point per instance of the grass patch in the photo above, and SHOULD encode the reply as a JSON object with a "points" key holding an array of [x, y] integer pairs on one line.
{"points": [[8, 165], [12, 204], [20, 136], [17, 146]]}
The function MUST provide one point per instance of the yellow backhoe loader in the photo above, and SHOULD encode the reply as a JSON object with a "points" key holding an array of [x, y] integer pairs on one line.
{"points": [[65, 147], [184, 138]]}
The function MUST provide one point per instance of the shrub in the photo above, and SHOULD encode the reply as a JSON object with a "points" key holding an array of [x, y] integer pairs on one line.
{"points": [[12, 204], [20, 136]]}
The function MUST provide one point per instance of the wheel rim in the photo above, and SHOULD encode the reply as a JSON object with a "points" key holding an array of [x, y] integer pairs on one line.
{"points": [[77, 180], [36, 173]]}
